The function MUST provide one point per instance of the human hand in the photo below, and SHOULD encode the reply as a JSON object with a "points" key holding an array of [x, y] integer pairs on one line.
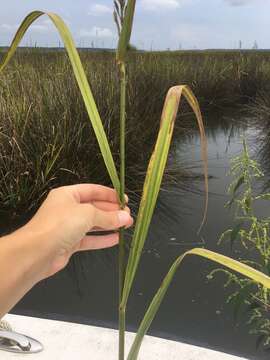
{"points": [[68, 214]]}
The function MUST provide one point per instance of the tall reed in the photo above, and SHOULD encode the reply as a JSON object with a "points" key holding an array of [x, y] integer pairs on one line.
{"points": [[124, 25]]}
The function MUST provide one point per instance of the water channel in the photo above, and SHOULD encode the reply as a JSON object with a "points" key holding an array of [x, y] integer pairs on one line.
{"points": [[195, 309]]}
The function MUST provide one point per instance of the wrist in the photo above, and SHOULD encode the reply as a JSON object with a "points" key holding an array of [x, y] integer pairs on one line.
{"points": [[31, 252], [22, 265]]}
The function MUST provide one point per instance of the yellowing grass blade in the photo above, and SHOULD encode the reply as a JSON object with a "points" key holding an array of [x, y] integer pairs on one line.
{"points": [[126, 31], [154, 306], [155, 173], [81, 80]]}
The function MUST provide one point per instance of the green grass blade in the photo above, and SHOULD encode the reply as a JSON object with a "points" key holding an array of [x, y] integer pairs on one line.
{"points": [[243, 269], [81, 80], [155, 173], [52, 161], [126, 31]]}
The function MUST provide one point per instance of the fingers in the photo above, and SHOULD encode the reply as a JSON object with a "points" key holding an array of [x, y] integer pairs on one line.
{"points": [[106, 220], [112, 219], [92, 192], [108, 206], [98, 242]]}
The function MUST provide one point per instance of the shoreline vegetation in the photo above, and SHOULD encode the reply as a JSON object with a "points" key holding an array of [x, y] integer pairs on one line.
{"points": [[42, 116], [41, 133]]}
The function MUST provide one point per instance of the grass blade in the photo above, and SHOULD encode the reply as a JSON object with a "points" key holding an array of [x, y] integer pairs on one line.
{"points": [[81, 80], [52, 161], [154, 306], [155, 173], [126, 31]]}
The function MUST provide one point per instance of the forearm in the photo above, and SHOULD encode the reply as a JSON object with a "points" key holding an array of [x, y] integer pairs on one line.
{"points": [[45, 244], [22, 261]]}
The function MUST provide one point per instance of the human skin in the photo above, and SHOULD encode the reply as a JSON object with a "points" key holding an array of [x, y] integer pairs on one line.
{"points": [[45, 244]]}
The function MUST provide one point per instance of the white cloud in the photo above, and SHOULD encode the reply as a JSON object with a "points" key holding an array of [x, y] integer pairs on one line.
{"points": [[99, 10], [96, 32], [164, 4], [157, 4], [34, 27], [39, 27]]}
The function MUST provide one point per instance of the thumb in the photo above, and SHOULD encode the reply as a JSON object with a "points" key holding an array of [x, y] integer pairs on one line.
{"points": [[107, 220]]}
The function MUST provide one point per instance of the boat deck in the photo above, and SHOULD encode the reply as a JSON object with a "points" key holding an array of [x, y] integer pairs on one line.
{"points": [[69, 341]]}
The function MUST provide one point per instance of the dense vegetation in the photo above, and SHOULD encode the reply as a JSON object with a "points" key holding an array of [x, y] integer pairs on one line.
{"points": [[249, 299], [46, 139]]}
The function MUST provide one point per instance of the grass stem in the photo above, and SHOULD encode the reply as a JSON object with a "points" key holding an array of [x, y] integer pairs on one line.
{"points": [[122, 264]]}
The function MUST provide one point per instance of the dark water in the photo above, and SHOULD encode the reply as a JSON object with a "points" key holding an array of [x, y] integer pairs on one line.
{"points": [[194, 310]]}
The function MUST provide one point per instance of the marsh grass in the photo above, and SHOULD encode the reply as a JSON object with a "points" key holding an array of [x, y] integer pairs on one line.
{"points": [[154, 173], [41, 132], [259, 109]]}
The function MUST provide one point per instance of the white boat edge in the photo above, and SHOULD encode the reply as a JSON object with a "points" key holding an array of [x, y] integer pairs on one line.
{"points": [[69, 341]]}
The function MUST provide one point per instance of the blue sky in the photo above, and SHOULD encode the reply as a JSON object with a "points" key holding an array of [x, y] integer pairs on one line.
{"points": [[159, 24]]}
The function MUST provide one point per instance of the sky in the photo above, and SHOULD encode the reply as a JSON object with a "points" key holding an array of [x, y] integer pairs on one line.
{"points": [[159, 24]]}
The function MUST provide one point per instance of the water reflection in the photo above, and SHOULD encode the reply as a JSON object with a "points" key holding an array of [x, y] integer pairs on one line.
{"points": [[263, 148], [194, 309]]}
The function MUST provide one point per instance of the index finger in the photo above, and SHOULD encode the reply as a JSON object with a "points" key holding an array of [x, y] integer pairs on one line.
{"points": [[86, 193]]}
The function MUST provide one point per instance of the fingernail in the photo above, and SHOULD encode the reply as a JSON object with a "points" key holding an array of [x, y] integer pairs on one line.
{"points": [[124, 218], [126, 198]]}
